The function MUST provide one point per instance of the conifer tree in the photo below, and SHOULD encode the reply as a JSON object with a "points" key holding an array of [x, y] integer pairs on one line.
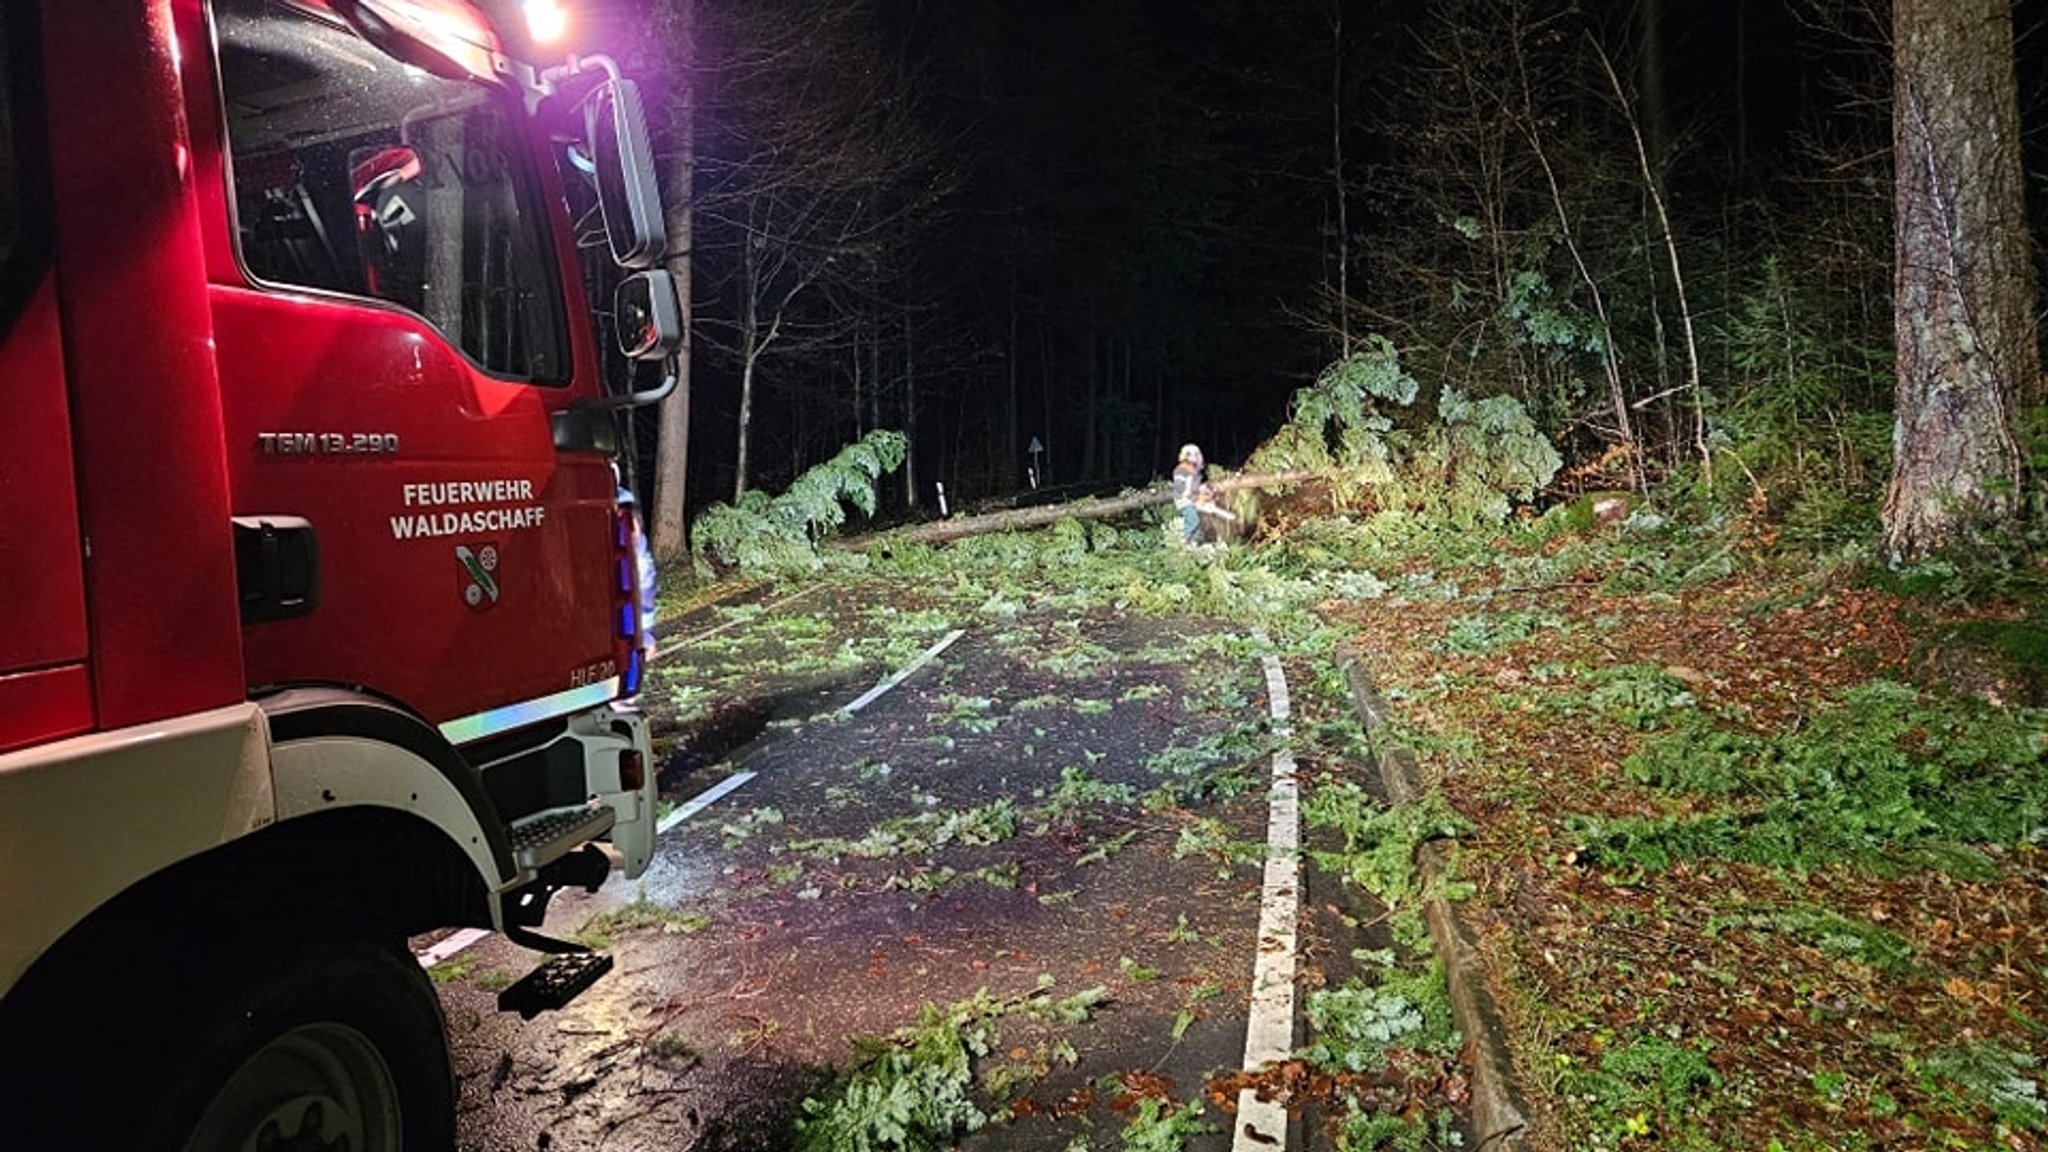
{"points": [[1964, 287]]}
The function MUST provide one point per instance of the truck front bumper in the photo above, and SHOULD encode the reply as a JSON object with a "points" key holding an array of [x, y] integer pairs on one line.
{"points": [[620, 770]]}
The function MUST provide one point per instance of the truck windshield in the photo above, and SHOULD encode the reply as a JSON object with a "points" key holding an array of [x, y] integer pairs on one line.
{"points": [[357, 174]]}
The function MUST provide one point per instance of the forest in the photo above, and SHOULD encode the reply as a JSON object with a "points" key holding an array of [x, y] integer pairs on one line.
{"points": [[1665, 228], [1668, 377]]}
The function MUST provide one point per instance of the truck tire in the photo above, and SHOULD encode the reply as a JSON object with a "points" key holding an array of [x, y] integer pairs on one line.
{"points": [[335, 1042]]}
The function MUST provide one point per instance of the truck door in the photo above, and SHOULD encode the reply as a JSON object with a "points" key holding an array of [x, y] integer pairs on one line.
{"points": [[389, 364], [44, 690]]}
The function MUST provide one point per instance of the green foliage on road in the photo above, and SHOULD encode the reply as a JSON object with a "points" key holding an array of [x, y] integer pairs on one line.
{"points": [[909, 1091], [1662, 803], [1380, 843], [641, 914], [772, 535], [915, 1089], [1162, 1125]]}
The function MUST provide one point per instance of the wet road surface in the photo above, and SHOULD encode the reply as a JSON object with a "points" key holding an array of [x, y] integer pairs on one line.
{"points": [[1051, 812]]}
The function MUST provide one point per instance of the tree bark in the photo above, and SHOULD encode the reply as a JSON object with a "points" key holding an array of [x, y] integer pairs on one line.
{"points": [[1012, 445], [910, 495], [1963, 281], [960, 528], [669, 529], [1337, 175], [751, 344], [1653, 183], [1656, 125]]}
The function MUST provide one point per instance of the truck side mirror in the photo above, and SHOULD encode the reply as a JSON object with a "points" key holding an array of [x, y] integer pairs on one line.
{"points": [[627, 195], [649, 319]]}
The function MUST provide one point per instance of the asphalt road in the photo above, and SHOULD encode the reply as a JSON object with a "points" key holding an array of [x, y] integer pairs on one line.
{"points": [[1059, 811]]}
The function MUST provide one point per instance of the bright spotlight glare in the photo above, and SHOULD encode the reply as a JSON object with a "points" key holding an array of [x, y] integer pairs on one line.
{"points": [[546, 20]]}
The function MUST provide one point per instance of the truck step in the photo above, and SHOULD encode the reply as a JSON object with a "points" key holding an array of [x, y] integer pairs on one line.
{"points": [[558, 980], [548, 836]]}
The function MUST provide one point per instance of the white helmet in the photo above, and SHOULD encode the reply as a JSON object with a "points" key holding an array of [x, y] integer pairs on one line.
{"points": [[1190, 452]]}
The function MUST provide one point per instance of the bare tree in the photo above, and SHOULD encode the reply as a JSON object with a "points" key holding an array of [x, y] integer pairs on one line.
{"points": [[1474, 267], [1337, 178], [676, 28], [1653, 184], [1623, 429], [820, 157]]}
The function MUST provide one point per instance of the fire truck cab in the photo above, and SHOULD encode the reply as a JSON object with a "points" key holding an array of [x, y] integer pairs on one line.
{"points": [[320, 604]]}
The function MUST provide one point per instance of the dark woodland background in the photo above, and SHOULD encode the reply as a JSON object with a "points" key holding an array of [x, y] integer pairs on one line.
{"points": [[1114, 227]]}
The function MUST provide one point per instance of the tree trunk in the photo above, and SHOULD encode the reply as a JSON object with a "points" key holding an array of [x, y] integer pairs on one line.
{"points": [[669, 531], [1656, 129], [1963, 282], [1337, 174], [754, 342], [909, 413], [1091, 441], [1741, 90], [942, 531], [750, 354], [1012, 444], [859, 412]]}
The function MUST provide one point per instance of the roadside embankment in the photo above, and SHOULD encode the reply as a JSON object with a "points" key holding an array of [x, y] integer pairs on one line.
{"points": [[1499, 1116]]}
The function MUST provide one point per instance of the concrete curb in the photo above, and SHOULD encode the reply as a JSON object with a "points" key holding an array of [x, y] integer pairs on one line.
{"points": [[1499, 1120]]}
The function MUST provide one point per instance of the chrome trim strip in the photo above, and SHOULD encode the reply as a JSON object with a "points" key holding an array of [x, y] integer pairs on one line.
{"points": [[466, 729]]}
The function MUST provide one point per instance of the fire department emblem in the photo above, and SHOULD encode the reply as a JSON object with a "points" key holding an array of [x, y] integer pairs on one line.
{"points": [[477, 575]]}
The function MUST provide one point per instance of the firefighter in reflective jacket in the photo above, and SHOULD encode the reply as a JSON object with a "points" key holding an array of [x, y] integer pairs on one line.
{"points": [[1187, 483], [643, 572]]}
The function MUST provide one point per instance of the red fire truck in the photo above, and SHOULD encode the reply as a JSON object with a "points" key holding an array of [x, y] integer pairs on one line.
{"points": [[319, 603]]}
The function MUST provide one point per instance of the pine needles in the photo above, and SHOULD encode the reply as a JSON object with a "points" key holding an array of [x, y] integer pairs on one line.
{"points": [[1464, 469], [768, 535]]}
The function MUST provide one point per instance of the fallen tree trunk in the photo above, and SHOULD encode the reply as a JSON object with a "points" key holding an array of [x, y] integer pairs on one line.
{"points": [[959, 528]]}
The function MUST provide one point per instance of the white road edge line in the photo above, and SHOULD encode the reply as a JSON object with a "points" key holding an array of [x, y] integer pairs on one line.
{"points": [[1269, 1033], [446, 948], [678, 643], [449, 946], [701, 801], [902, 674]]}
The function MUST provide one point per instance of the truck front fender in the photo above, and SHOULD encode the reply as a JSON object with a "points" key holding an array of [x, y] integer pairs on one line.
{"points": [[333, 750], [83, 820]]}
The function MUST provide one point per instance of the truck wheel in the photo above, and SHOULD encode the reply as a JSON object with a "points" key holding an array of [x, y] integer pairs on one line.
{"points": [[337, 1044]]}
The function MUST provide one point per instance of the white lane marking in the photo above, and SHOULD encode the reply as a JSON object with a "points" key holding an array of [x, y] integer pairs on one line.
{"points": [[447, 946], [902, 674], [678, 643], [1269, 1033], [701, 801]]}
